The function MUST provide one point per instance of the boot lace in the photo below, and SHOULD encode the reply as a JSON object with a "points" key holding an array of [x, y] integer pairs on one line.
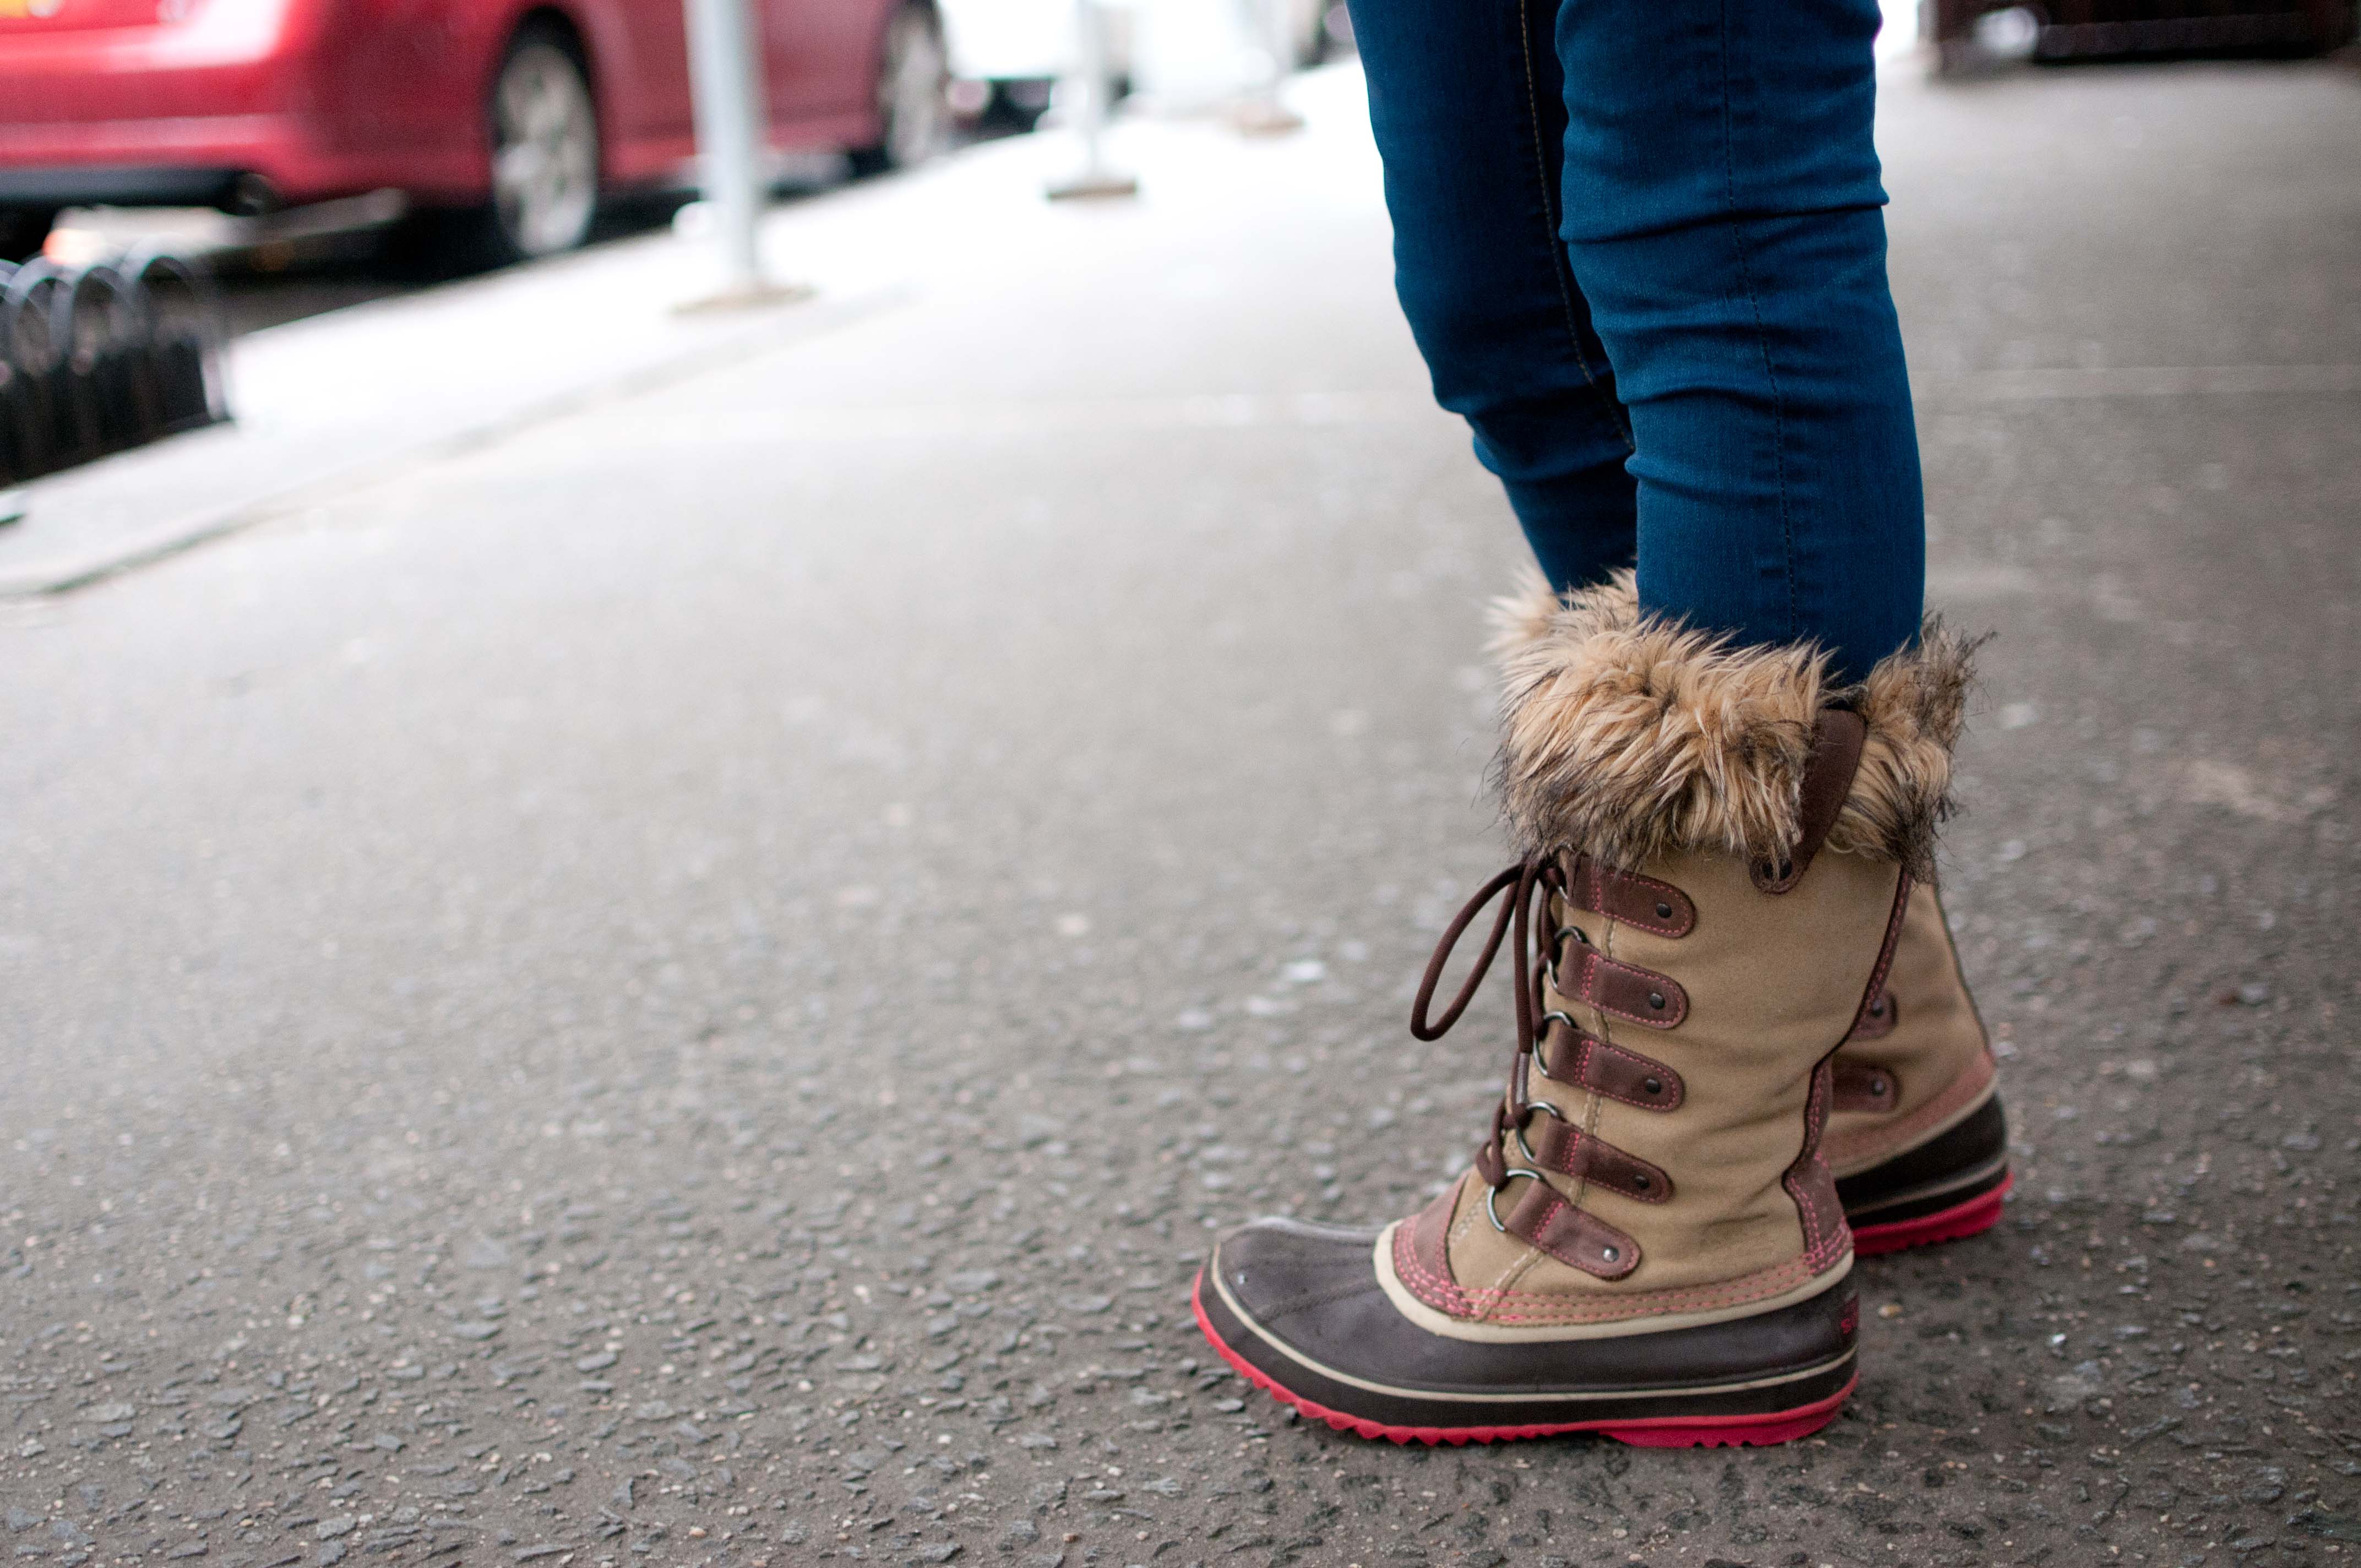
{"points": [[1535, 877]]}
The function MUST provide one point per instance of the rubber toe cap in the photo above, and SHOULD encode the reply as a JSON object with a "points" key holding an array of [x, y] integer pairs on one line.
{"points": [[1278, 1269]]}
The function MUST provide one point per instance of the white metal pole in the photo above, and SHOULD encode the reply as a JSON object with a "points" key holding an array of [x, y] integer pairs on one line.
{"points": [[1266, 113], [728, 92], [1090, 21], [1091, 84]]}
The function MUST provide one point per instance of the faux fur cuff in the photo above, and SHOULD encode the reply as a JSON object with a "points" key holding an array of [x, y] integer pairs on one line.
{"points": [[1628, 735]]}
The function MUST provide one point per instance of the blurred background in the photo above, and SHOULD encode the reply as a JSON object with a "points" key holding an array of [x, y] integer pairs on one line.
{"points": [[176, 176], [313, 155]]}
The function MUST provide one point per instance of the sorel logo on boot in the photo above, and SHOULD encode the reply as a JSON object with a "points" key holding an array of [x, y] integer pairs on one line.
{"points": [[1852, 1318]]}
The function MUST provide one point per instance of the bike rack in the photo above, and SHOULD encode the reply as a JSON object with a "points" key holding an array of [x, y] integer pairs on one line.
{"points": [[103, 357]]}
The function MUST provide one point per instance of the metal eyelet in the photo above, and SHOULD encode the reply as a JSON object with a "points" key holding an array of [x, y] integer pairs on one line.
{"points": [[1519, 1130], [1577, 932], [1492, 1194], [1653, 1085], [1663, 911], [1540, 1066], [1656, 1000], [1607, 1253]]}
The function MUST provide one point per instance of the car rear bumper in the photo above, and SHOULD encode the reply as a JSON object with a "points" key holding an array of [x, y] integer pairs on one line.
{"points": [[205, 161], [129, 185]]}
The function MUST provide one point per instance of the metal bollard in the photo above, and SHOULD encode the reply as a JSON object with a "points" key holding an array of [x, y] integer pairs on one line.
{"points": [[1092, 81], [15, 463], [100, 322], [728, 101], [1264, 111], [183, 357], [103, 357], [28, 332]]}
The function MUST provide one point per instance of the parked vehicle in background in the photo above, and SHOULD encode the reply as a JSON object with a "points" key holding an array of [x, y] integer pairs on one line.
{"points": [[1014, 51], [512, 117], [1967, 33], [1008, 54]]}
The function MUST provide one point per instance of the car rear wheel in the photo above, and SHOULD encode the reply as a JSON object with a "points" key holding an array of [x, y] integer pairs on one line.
{"points": [[545, 137], [913, 84]]}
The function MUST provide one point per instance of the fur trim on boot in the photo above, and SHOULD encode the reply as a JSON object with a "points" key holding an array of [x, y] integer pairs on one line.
{"points": [[1627, 737]]}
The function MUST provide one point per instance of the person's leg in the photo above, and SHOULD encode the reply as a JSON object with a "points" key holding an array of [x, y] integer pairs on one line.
{"points": [[1720, 209], [1466, 98], [1648, 1243], [1721, 199]]}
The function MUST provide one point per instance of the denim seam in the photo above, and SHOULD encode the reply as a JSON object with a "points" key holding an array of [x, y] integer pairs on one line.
{"points": [[1762, 335], [1556, 246]]}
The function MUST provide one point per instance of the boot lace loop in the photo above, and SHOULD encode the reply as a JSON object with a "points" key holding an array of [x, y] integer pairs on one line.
{"points": [[1536, 875]]}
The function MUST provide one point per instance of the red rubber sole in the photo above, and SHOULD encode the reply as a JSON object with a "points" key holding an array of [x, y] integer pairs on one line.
{"points": [[1974, 1217], [1660, 1431]]}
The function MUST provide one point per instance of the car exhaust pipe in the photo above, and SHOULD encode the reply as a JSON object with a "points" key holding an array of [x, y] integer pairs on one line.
{"points": [[250, 196]]}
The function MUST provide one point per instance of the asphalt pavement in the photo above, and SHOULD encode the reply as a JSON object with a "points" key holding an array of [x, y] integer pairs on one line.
{"points": [[688, 980]]}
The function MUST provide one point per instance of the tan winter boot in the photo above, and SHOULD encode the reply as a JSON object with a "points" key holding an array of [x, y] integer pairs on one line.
{"points": [[1915, 1134], [1650, 1244]]}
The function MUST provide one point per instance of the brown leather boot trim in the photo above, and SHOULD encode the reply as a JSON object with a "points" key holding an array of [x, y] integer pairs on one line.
{"points": [[1813, 1185], [1810, 1181], [1837, 743], [1429, 1234], [1508, 1314], [1633, 899], [1876, 987], [1574, 1236], [1423, 1275], [1557, 1144], [1626, 991], [1862, 1087], [1567, 1055], [1860, 1148], [1885, 1015]]}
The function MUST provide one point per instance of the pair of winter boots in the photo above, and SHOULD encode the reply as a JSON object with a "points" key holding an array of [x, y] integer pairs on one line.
{"points": [[1745, 1055]]}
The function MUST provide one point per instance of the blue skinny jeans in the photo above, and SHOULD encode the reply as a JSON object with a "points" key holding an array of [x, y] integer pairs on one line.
{"points": [[1640, 244]]}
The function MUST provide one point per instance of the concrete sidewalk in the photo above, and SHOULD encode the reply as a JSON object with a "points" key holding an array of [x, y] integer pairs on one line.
{"points": [[689, 982], [340, 398]]}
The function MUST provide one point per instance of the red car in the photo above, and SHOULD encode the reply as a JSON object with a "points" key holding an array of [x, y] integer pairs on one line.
{"points": [[518, 113]]}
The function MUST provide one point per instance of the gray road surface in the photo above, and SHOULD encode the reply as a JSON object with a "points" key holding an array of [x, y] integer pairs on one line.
{"points": [[691, 983]]}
